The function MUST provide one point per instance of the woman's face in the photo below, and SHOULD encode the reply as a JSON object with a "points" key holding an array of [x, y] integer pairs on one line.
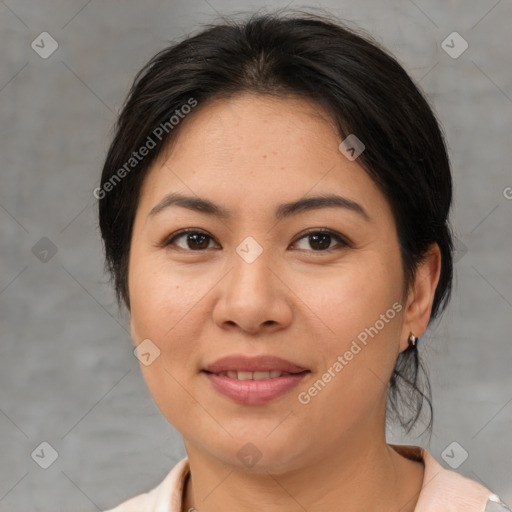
{"points": [[253, 283]]}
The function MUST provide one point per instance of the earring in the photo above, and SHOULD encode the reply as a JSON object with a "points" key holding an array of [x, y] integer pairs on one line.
{"points": [[412, 340]]}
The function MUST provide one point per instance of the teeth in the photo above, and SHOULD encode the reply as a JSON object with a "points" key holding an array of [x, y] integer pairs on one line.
{"points": [[262, 375], [252, 375]]}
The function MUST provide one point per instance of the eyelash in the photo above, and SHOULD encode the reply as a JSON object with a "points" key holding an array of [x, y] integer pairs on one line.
{"points": [[343, 241]]}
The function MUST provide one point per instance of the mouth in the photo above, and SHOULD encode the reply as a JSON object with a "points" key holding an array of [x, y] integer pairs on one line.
{"points": [[261, 375], [253, 380], [242, 364]]}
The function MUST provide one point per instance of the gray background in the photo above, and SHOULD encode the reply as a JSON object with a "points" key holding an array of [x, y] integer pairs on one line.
{"points": [[68, 374]]}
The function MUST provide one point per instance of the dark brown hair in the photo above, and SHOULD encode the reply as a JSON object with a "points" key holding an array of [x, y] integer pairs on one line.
{"points": [[365, 91]]}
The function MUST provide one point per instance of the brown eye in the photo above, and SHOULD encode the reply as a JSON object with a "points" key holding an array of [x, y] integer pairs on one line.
{"points": [[320, 241], [193, 240], [197, 241]]}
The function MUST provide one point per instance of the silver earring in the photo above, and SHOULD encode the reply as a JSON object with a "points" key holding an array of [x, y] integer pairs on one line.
{"points": [[412, 340]]}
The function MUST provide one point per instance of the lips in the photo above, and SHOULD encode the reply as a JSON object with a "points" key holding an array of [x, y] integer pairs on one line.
{"points": [[244, 365], [242, 375], [254, 380]]}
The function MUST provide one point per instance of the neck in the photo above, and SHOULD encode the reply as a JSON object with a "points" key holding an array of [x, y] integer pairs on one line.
{"points": [[360, 475]]}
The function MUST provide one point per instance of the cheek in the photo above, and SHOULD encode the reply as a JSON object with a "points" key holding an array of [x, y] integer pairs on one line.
{"points": [[360, 311], [164, 310], [161, 299], [352, 298]]}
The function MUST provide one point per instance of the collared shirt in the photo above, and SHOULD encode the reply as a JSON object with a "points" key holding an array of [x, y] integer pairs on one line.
{"points": [[442, 490]]}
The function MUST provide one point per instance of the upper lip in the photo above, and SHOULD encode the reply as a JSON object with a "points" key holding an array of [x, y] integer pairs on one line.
{"points": [[244, 363]]}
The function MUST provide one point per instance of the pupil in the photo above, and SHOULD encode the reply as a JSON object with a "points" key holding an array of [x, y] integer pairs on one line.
{"points": [[323, 240], [197, 238]]}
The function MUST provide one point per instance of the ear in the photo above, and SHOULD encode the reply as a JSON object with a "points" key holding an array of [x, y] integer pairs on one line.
{"points": [[421, 296]]}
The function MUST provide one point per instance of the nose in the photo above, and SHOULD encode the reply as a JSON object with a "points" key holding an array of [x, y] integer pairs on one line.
{"points": [[253, 298]]}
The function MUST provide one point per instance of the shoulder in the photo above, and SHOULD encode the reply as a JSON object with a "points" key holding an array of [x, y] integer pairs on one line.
{"points": [[445, 490], [165, 497]]}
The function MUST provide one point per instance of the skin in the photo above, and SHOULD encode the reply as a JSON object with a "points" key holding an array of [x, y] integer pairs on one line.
{"points": [[249, 154]]}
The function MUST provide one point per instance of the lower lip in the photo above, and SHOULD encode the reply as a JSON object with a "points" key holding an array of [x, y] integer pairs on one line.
{"points": [[254, 392]]}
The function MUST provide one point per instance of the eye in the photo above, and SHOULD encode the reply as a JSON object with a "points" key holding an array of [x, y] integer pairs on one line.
{"points": [[320, 240], [192, 240]]}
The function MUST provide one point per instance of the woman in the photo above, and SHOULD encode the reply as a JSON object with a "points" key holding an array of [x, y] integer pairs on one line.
{"points": [[274, 209]]}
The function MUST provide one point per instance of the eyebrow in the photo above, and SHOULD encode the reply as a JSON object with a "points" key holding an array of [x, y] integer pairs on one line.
{"points": [[284, 210]]}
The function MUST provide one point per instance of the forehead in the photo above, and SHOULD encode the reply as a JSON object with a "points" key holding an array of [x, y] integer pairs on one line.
{"points": [[263, 122], [255, 150]]}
